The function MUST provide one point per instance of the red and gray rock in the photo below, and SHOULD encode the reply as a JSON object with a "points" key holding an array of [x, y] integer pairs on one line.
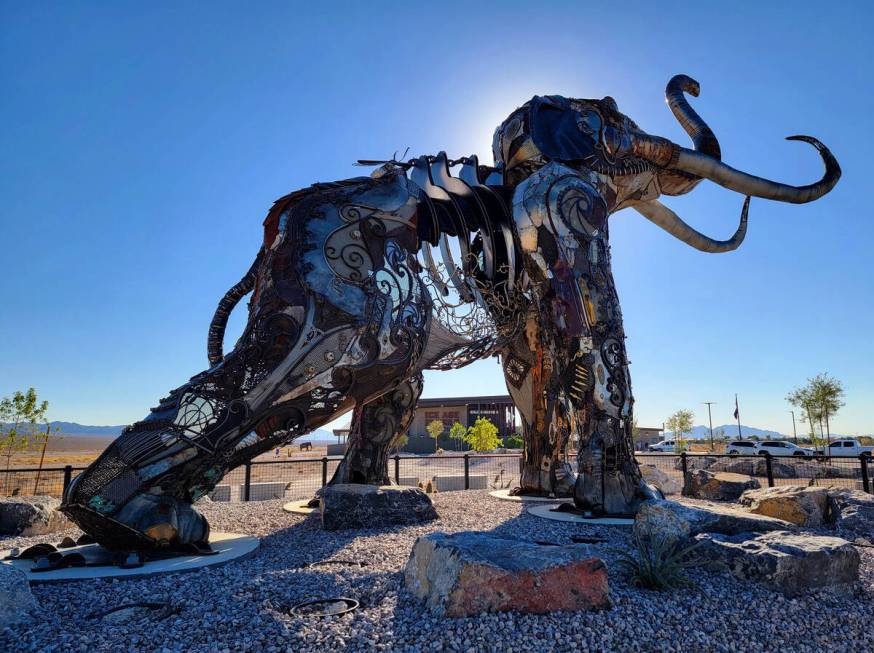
{"points": [[31, 516], [672, 521], [791, 563], [369, 506], [718, 486], [468, 573]]}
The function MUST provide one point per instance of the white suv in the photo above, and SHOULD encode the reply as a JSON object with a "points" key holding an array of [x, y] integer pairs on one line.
{"points": [[741, 448], [779, 448], [664, 445]]}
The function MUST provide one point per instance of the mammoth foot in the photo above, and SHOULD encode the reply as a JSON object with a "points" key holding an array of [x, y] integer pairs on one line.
{"points": [[614, 495], [146, 522], [556, 481]]}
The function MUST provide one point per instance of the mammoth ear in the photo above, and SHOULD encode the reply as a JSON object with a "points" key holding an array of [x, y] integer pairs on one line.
{"points": [[555, 130]]}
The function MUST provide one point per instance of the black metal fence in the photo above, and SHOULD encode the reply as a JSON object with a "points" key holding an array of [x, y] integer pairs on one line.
{"points": [[770, 471], [300, 478]]}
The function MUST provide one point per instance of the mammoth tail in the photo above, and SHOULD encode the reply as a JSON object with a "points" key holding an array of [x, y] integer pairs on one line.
{"points": [[215, 339]]}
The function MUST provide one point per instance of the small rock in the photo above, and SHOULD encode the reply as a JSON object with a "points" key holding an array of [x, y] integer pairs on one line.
{"points": [[369, 506], [791, 563], [28, 516], [17, 603], [654, 476], [469, 573], [718, 486], [801, 505]]}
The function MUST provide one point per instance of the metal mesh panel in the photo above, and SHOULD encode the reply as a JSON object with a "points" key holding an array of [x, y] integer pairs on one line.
{"points": [[501, 472], [99, 476]]}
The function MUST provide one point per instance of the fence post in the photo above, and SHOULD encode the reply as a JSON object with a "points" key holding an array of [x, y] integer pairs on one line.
{"points": [[247, 482], [863, 462], [397, 469], [684, 466], [68, 475], [769, 469], [466, 471], [324, 471]]}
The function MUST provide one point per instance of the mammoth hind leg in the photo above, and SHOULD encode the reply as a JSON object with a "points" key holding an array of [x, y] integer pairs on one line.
{"points": [[376, 428]]}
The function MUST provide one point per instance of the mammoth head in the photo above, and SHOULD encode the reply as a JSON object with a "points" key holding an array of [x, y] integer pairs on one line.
{"points": [[593, 135]]}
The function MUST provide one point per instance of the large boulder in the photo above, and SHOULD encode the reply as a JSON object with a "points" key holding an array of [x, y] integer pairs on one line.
{"points": [[745, 466], [790, 563], [694, 461], [718, 486], [852, 512], [467, 573], [756, 467], [31, 516], [801, 505], [370, 506], [671, 521], [654, 476], [17, 604]]}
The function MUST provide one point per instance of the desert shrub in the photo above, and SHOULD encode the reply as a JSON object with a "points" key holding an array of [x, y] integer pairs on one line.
{"points": [[658, 564], [514, 441]]}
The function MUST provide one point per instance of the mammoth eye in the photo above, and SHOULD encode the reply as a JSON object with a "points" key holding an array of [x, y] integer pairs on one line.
{"points": [[589, 122]]}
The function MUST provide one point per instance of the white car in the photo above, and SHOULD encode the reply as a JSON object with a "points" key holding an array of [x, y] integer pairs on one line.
{"points": [[850, 448], [742, 448], [781, 448], [664, 446]]}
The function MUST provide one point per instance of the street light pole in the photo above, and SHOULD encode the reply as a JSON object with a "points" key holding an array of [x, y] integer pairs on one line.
{"points": [[710, 417], [794, 432]]}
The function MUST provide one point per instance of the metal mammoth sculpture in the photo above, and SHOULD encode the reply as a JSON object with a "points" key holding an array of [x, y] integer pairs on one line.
{"points": [[348, 308]]}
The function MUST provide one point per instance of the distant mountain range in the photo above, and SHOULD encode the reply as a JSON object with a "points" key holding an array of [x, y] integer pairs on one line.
{"points": [[730, 431], [74, 429]]}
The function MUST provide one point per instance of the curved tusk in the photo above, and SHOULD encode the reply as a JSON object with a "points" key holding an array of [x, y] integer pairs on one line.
{"points": [[659, 214], [741, 182], [671, 156], [699, 131]]}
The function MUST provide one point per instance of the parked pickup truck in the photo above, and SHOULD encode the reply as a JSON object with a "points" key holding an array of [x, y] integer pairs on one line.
{"points": [[850, 448]]}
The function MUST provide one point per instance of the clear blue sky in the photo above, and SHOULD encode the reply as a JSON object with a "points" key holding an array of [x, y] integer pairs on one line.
{"points": [[142, 144]]}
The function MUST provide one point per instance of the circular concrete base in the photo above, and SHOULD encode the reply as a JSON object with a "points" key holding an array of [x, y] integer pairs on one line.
{"points": [[299, 507], [229, 546], [504, 495], [546, 512]]}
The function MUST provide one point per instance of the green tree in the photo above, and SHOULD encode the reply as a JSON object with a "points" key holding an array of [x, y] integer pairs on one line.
{"points": [[483, 435], [435, 429], [456, 433], [515, 441], [22, 416], [401, 442], [680, 423], [819, 400]]}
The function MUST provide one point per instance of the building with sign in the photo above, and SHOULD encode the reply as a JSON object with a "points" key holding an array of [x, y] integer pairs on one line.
{"points": [[498, 409]]}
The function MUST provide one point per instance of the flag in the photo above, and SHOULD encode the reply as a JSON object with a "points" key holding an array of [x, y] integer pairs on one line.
{"points": [[736, 409]]}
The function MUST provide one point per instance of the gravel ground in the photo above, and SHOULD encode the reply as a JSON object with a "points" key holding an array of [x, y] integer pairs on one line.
{"points": [[242, 606]]}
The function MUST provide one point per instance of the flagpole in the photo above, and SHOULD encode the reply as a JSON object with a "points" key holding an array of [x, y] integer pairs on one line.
{"points": [[737, 416]]}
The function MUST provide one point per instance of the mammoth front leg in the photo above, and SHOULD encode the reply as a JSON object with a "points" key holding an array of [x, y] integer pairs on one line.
{"points": [[376, 427], [531, 373], [574, 374]]}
